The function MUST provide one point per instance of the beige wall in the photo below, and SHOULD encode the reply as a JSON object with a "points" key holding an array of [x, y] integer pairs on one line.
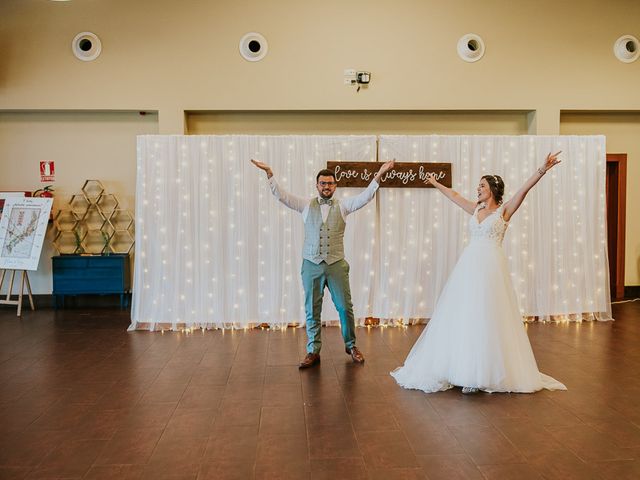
{"points": [[623, 136], [181, 60], [358, 123], [83, 145], [174, 56]]}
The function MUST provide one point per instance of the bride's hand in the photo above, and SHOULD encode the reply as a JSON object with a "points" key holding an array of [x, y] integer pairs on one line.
{"points": [[431, 178], [551, 161]]}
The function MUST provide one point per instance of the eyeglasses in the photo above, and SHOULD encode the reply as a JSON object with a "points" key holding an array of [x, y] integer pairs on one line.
{"points": [[327, 184]]}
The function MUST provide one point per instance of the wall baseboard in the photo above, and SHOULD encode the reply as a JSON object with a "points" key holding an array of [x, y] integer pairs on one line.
{"points": [[78, 301], [632, 291]]}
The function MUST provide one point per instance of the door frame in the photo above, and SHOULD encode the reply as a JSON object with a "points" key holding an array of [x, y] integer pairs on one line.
{"points": [[619, 161]]}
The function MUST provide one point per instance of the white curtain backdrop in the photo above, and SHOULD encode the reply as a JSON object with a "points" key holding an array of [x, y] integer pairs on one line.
{"points": [[216, 249], [556, 242]]}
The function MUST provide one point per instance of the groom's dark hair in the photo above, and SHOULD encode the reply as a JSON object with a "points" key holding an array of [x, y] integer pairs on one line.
{"points": [[326, 173]]}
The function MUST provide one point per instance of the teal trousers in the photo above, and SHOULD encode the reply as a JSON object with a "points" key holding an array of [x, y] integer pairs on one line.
{"points": [[314, 280]]}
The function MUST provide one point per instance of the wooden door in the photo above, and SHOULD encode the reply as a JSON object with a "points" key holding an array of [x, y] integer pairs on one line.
{"points": [[616, 210]]}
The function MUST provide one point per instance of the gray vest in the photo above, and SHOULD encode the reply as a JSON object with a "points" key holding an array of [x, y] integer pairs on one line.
{"points": [[323, 241]]}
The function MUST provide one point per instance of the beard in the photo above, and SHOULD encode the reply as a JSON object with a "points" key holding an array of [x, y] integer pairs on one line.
{"points": [[326, 196]]}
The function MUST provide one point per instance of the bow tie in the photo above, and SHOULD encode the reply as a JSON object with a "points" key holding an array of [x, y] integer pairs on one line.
{"points": [[325, 201]]}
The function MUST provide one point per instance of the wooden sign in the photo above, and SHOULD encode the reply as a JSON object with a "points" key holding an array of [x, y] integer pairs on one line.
{"points": [[403, 174]]}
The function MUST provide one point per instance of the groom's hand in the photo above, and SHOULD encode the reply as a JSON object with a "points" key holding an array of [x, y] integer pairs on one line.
{"points": [[387, 166], [384, 169], [263, 166]]}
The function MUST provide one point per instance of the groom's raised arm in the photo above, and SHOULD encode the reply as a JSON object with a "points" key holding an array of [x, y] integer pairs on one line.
{"points": [[292, 201], [351, 204]]}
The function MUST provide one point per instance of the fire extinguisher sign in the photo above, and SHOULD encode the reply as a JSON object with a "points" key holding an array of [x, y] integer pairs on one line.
{"points": [[47, 171]]}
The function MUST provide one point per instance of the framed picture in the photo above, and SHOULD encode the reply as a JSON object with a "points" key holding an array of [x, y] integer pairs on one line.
{"points": [[22, 229], [5, 195]]}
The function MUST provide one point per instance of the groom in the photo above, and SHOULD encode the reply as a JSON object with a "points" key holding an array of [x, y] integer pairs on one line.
{"points": [[323, 262]]}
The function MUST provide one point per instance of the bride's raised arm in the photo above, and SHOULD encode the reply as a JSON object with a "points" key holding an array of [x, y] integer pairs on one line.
{"points": [[514, 202], [467, 205]]}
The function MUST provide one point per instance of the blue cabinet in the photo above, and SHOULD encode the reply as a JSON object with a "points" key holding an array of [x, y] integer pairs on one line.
{"points": [[96, 274]]}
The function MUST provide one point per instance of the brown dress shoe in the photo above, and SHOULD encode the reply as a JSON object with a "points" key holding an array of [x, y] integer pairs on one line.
{"points": [[356, 354], [310, 360]]}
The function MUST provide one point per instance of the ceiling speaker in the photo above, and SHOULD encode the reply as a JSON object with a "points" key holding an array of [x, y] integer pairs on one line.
{"points": [[253, 47], [86, 46], [626, 48], [471, 47]]}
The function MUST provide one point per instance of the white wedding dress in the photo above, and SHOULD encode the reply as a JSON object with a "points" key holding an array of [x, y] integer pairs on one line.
{"points": [[476, 337]]}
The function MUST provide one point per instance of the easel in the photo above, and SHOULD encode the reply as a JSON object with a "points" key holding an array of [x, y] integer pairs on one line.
{"points": [[24, 279]]}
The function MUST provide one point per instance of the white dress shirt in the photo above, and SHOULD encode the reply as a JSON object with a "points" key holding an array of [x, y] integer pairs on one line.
{"points": [[347, 205]]}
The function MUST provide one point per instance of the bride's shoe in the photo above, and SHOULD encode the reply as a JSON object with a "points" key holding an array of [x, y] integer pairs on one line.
{"points": [[469, 390]]}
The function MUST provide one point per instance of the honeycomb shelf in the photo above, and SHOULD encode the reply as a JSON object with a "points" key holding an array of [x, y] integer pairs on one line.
{"points": [[93, 223]]}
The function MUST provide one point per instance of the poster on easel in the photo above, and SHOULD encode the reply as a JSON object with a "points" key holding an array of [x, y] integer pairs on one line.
{"points": [[5, 195], [22, 230]]}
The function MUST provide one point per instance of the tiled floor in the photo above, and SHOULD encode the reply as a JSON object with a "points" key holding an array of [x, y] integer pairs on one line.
{"points": [[82, 398]]}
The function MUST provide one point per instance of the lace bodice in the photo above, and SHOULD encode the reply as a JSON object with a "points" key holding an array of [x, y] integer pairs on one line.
{"points": [[493, 227]]}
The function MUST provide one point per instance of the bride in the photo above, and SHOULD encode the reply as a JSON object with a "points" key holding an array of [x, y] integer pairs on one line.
{"points": [[475, 338]]}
